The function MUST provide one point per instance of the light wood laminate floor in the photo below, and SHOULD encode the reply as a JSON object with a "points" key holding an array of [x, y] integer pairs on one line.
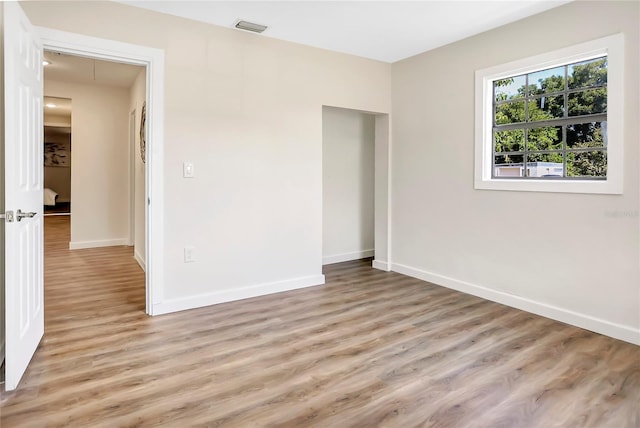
{"points": [[368, 349]]}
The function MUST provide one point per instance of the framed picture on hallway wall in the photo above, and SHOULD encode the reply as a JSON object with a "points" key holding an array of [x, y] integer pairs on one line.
{"points": [[56, 154]]}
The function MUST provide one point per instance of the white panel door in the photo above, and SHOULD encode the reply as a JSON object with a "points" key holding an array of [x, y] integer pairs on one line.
{"points": [[24, 285]]}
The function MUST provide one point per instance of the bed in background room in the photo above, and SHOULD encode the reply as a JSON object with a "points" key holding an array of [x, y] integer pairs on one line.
{"points": [[49, 197]]}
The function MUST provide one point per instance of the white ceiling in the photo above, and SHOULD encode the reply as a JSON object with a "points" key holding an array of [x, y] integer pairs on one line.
{"points": [[383, 30], [76, 69], [69, 68]]}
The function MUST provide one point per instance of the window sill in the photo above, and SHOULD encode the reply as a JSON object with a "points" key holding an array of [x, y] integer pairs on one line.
{"points": [[553, 186]]}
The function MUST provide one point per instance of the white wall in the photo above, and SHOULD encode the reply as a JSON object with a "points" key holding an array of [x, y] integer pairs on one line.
{"points": [[137, 98], [247, 110], [99, 164], [577, 260], [348, 143]]}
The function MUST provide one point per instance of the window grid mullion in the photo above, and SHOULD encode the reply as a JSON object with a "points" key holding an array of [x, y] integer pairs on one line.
{"points": [[525, 159], [551, 94], [565, 115], [571, 120], [579, 150]]}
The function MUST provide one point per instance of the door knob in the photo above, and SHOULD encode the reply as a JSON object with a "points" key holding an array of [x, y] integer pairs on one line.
{"points": [[20, 215]]}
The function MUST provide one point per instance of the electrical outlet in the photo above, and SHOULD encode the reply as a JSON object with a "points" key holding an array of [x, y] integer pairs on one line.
{"points": [[189, 254]]}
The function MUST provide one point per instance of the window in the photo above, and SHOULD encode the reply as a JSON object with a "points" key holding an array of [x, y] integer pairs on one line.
{"points": [[552, 122]]}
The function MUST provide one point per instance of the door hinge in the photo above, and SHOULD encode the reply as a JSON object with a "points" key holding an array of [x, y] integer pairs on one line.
{"points": [[8, 216]]}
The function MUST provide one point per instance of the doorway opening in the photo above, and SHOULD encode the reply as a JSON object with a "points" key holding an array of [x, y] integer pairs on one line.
{"points": [[348, 143], [95, 168], [152, 60], [355, 165], [92, 154]]}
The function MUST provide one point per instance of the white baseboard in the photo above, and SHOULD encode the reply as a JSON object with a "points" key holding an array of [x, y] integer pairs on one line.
{"points": [[78, 245], [618, 331], [140, 260], [230, 295], [381, 265], [345, 257]]}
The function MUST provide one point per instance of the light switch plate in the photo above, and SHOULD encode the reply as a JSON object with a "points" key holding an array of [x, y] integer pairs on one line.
{"points": [[189, 254], [187, 170]]}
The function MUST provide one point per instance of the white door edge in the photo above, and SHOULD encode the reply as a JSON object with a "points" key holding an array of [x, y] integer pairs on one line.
{"points": [[153, 60]]}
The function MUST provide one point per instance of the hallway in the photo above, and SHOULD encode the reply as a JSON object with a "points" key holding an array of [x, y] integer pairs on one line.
{"points": [[109, 280]]}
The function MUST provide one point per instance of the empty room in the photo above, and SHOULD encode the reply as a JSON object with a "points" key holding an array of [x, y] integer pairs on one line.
{"points": [[349, 214]]}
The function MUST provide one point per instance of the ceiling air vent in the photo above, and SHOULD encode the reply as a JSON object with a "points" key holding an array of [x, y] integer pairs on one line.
{"points": [[250, 26]]}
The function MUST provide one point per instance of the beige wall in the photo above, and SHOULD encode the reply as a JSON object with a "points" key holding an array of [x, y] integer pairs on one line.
{"points": [[348, 145], [247, 111], [137, 96], [99, 164], [58, 179], [576, 259], [56, 120]]}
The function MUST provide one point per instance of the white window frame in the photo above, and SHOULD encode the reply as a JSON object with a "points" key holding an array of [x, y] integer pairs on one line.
{"points": [[613, 47]]}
